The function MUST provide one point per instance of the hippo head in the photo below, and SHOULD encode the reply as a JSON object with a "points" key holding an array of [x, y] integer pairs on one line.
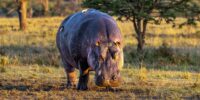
{"points": [[105, 56]]}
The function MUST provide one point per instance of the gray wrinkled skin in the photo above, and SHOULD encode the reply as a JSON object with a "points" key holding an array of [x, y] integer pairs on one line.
{"points": [[91, 40]]}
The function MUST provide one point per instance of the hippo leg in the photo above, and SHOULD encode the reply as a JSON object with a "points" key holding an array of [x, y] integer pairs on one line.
{"points": [[84, 76], [71, 79], [71, 76]]}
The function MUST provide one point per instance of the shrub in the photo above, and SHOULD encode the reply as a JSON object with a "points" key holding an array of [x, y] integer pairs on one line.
{"points": [[142, 74], [186, 75], [4, 60], [2, 69], [45, 70], [165, 51]]}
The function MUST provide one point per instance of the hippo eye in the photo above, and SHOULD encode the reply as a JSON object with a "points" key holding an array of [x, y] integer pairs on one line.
{"points": [[97, 43]]}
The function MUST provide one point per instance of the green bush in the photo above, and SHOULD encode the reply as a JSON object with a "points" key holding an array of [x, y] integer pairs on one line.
{"points": [[163, 57]]}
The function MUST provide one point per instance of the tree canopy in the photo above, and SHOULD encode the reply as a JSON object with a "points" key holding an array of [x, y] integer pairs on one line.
{"points": [[142, 12]]}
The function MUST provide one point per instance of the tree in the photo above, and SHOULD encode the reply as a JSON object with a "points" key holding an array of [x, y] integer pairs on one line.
{"points": [[45, 4], [46, 7], [142, 12], [22, 10]]}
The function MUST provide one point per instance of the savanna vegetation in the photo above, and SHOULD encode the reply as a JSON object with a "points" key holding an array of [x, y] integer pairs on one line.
{"points": [[30, 65]]}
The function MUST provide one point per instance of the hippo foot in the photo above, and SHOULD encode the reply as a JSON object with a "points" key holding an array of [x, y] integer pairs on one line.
{"points": [[71, 79], [82, 84], [71, 85]]}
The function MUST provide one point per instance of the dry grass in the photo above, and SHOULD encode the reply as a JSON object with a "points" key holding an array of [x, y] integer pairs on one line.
{"points": [[37, 44], [25, 55], [33, 82]]}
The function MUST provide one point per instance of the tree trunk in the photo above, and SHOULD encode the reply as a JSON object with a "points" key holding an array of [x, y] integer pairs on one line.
{"points": [[46, 7], [141, 41], [57, 6], [74, 1], [58, 3], [22, 10], [30, 13], [140, 29]]}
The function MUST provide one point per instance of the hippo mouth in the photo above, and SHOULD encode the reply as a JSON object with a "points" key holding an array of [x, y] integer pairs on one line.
{"points": [[107, 83]]}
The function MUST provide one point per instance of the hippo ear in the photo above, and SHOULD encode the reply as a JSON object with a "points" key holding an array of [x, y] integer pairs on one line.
{"points": [[91, 58], [121, 59]]}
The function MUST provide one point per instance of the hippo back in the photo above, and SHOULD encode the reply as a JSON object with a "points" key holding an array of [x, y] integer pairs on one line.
{"points": [[79, 30]]}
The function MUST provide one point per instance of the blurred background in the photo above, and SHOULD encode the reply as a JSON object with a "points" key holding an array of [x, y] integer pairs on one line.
{"points": [[36, 8], [166, 47]]}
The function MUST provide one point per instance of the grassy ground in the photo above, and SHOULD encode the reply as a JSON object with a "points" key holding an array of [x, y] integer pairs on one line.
{"points": [[30, 64], [35, 82], [169, 47]]}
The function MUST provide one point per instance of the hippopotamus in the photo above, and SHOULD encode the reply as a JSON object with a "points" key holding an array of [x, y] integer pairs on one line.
{"points": [[90, 40]]}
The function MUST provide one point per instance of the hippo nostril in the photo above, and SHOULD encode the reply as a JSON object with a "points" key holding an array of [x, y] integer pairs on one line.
{"points": [[102, 77], [114, 77]]}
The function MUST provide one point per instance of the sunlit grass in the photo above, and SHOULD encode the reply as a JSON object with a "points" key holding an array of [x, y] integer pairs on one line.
{"points": [[29, 63], [40, 82], [38, 41], [46, 28], [157, 34]]}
